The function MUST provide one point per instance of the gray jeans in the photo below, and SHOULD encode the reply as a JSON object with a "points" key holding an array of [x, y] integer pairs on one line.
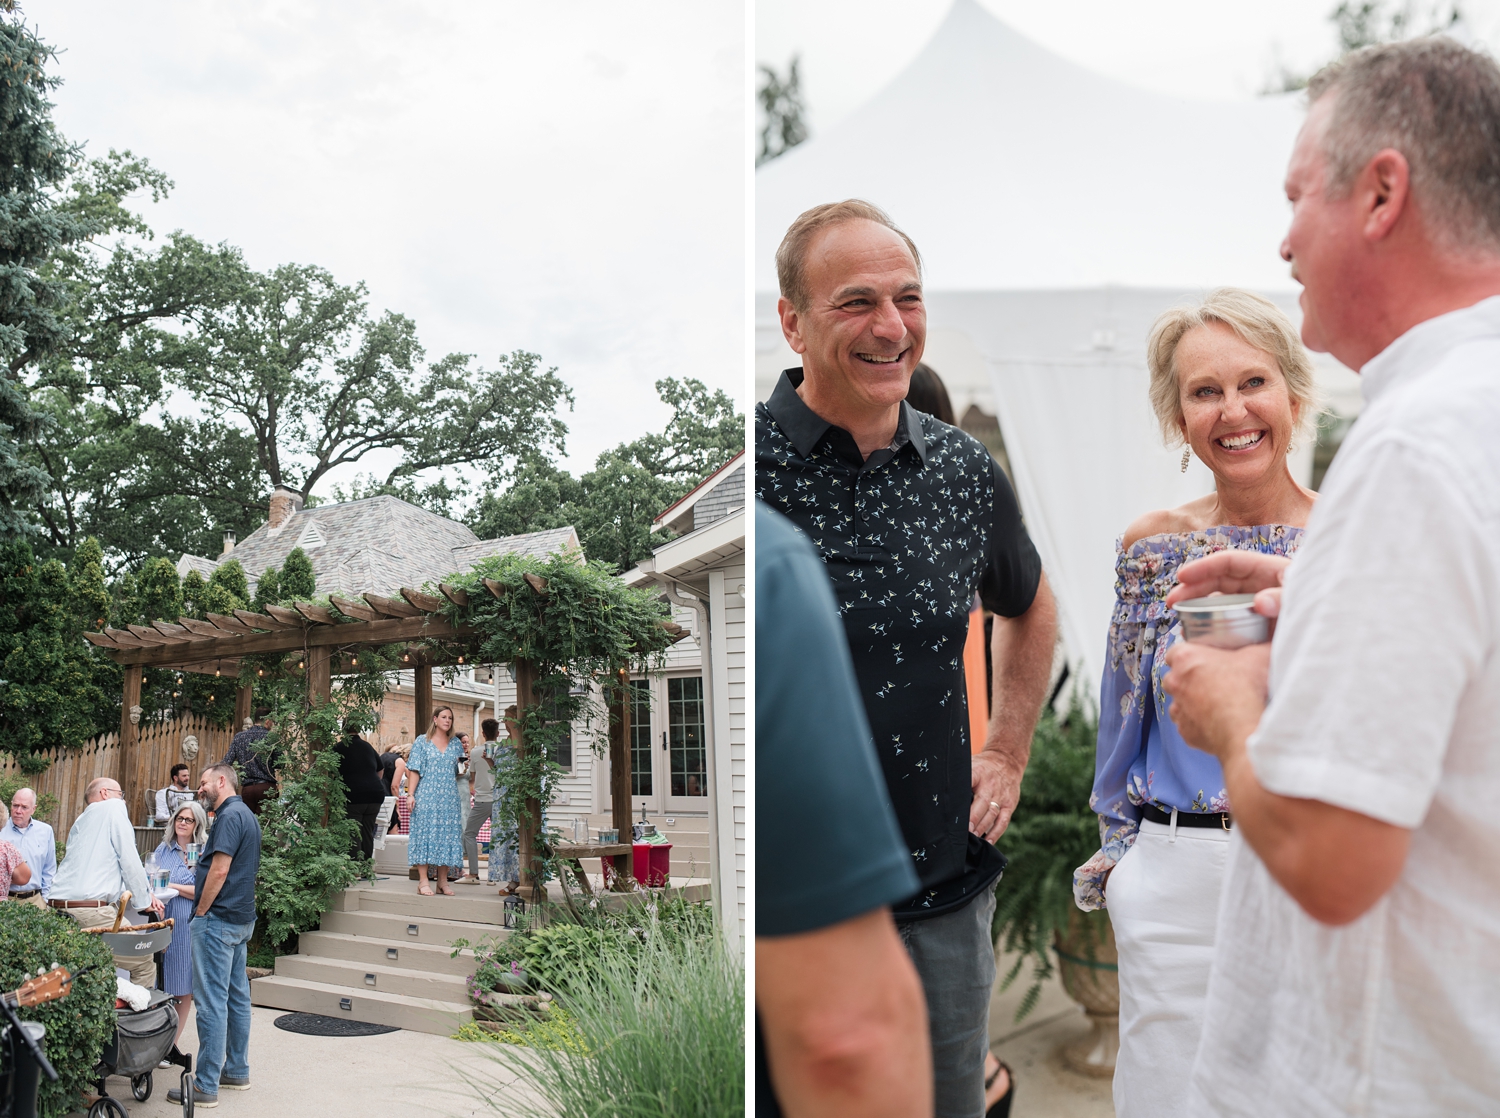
{"points": [[955, 959], [477, 816]]}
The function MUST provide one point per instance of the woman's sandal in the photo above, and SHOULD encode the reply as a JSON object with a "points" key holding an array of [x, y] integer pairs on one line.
{"points": [[424, 891], [446, 890], [1000, 1108]]}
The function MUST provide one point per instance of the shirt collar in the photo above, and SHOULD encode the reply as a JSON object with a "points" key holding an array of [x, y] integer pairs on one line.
{"points": [[806, 428], [1418, 351]]}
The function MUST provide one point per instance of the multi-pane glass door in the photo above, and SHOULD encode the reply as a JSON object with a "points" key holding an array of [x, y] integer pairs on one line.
{"points": [[668, 745], [687, 754]]}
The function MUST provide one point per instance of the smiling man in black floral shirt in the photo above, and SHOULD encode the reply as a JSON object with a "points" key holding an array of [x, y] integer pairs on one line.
{"points": [[912, 517]]}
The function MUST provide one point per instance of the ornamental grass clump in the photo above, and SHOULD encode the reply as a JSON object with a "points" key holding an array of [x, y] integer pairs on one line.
{"points": [[657, 1033], [1053, 831], [79, 1025]]}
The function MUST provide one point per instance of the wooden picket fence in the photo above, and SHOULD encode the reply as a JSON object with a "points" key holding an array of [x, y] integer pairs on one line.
{"points": [[157, 749]]}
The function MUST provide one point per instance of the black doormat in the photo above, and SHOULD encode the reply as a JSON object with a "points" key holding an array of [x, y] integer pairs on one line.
{"points": [[315, 1024]]}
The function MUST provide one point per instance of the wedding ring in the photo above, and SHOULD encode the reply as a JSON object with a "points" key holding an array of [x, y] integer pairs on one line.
{"points": [[994, 805]]}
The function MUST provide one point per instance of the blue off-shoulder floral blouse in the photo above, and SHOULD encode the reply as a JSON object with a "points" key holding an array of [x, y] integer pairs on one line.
{"points": [[1141, 757]]}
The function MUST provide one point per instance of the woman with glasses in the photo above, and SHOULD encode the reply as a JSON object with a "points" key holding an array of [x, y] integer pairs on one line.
{"points": [[189, 825]]}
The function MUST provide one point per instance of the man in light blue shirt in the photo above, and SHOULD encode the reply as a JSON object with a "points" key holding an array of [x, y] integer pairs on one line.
{"points": [[101, 863], [37, 844]]}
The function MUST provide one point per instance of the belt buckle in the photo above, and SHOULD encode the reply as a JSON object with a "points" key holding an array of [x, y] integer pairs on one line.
{"points": [[1224, 820]]}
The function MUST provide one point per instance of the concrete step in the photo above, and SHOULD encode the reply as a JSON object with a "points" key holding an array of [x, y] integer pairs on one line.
{"points": [[471, 903], [365, 978], [397, 928], [363, 950], [421, 1015]]}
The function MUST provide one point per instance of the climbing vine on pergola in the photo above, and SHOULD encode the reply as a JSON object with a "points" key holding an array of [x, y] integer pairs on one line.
{"points": [[563, 624]]}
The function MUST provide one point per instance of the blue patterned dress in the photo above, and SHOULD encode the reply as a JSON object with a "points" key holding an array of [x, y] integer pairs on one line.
{"points": [[437, 822], [177, 961], [1141, 756]]}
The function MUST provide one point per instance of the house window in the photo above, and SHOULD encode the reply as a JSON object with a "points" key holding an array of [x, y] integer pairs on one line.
{"points": [[562, 752], [640, 737], [687, 757]]}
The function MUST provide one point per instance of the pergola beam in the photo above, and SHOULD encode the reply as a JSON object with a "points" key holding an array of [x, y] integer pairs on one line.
{"points": [[391, 607], [227, 647]]}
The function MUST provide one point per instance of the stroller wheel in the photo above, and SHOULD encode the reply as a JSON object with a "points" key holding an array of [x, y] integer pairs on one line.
{"points": [[107, 1108], [140, 1086]]}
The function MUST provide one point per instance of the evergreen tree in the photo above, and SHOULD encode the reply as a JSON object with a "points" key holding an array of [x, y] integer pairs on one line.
{"points": [[52, 694], [267, 589], [298, 583], [160, 591]]}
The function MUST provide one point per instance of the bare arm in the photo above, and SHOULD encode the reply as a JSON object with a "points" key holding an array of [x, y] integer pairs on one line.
{"points": [[21, 875], [218, 870], [844, 1021], [1021, 656], [1335, 863]]}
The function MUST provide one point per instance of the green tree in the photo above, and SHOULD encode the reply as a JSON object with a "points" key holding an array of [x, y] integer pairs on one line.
{"points": [[783, 114], [612, 506], [298, 584], [267, 589], [159, 591], [52, 695]]}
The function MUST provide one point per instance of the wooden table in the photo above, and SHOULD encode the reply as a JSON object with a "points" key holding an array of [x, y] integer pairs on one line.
{"points": [[574, 852]]}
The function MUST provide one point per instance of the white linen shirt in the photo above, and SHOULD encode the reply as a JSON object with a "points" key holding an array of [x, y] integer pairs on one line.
{"points": [[1385, 699], [39, 849], [101, 859]]}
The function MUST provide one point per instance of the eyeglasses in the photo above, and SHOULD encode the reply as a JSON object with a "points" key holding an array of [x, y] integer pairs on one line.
{"points": [[113, 792]]}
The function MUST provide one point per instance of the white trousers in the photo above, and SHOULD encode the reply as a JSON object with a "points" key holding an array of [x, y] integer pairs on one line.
{"points": [[1163, 900]]}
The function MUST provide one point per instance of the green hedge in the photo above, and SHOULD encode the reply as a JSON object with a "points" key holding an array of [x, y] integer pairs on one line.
{"points": [[79, 1025]]}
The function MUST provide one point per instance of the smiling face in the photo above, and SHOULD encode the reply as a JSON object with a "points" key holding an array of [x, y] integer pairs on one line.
{"points": [[183, 827], [1236, 411], [864, 326]]}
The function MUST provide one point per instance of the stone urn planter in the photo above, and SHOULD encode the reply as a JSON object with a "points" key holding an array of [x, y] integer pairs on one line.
{"points": [[1090, 974]]}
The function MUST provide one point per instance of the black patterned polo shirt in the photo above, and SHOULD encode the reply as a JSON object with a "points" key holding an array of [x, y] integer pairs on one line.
{"points": [[908, 536]]}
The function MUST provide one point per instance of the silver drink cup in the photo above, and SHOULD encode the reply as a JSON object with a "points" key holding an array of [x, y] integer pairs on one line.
{"points": [[1223, 621]]}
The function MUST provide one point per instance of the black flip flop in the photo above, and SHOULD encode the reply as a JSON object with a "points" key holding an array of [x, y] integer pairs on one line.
{"points": [[1001, 1107]]}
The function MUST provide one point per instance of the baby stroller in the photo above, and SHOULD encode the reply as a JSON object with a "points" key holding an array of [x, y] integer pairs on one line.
{"points": [[143, 1037]]}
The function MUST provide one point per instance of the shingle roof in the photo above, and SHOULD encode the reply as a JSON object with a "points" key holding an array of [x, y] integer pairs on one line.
{"points": [[379, 544]]}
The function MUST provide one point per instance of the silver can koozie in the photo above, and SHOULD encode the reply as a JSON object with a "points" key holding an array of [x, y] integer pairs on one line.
{"points": [[1223, 621]]}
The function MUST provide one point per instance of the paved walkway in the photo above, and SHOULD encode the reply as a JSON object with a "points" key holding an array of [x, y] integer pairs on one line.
{"points": [[295, 1076], [1044, 1087]]}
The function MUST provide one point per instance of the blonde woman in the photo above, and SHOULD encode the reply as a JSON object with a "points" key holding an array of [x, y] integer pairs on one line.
{"points": [[189, 824], [1231, 381], [437, 812]]}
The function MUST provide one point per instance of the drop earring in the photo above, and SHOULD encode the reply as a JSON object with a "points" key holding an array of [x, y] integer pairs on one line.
{"points": [[1187, 456]]}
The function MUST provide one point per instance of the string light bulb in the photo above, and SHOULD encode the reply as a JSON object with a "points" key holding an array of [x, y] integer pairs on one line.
{"points": [[216, 673], [460, 659], [354, 661]]}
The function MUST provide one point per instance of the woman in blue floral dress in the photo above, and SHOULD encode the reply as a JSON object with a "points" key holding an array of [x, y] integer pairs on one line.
{"points": [[437, 814], [1229, 378], [189, 824]]}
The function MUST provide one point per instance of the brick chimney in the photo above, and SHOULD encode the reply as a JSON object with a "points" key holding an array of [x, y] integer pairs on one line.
{"points": [[228, 544], [285, 503]]}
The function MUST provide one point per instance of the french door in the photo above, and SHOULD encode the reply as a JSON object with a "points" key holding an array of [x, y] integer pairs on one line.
{"points": [[668, 745]]}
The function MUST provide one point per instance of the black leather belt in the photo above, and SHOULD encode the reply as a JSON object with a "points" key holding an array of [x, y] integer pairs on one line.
{"points": [[1214, 819], [23, 896]]}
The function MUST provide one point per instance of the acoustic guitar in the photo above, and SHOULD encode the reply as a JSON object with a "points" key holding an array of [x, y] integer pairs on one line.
{"points": [[48, 986]]}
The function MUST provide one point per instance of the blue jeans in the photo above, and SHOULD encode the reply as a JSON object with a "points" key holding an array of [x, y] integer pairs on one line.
{"points": [[221, 998], [955, 959]]}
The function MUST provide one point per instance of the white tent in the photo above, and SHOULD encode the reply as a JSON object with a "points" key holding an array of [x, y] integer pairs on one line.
{"points": [[1058, 212]]}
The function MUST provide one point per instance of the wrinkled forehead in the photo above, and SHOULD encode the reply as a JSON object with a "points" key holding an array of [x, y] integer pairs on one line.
{"points": [[859, 254]]}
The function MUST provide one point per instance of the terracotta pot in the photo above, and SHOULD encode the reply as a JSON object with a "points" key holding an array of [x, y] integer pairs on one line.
{"points": [[1090, 975]]}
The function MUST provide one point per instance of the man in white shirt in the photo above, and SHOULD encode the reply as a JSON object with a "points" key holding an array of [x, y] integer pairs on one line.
{"points": [[1360, 919], [37, 844], [170, 798], [100, 864]]}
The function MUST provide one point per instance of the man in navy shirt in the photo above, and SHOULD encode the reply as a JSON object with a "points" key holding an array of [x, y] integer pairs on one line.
{"points": [[840, 1021], [223, 922]]}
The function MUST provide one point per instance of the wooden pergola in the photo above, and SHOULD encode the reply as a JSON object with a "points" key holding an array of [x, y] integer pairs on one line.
{"points": [[329, 645]]}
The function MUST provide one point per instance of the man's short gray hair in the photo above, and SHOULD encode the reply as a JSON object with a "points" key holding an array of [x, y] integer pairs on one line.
{"points": [[229, 773], [1435, 101], [790, 256]]}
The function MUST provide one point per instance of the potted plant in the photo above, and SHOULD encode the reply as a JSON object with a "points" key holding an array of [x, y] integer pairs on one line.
{"points": [[1052, 832]]}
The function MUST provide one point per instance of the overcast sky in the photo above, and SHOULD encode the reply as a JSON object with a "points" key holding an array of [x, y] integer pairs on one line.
{"points": [[1193, 48], [568, 179]]}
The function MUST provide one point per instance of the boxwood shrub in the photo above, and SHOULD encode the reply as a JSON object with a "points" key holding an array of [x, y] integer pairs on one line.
{"points": [[79, 1025]]}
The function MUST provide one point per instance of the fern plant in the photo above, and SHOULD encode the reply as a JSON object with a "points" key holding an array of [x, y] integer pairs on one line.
{"points": [[1052, 832]]}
